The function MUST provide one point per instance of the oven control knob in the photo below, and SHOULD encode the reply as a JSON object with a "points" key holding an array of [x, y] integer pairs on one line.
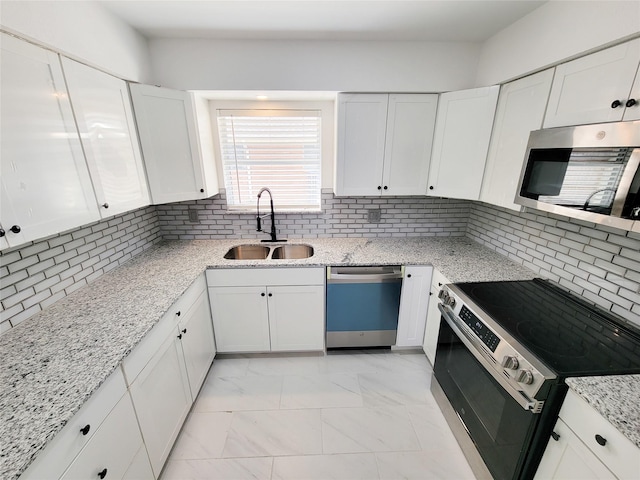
{"points": [[450, 301], [510, 362], [524, 376], [443, 295]]}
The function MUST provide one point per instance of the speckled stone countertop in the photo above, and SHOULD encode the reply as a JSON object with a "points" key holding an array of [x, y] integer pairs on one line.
{"points": [[51, 363], [615, 397]]}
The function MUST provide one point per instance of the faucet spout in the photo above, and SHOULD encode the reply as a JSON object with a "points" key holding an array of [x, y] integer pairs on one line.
{"points": [[272, 214]]}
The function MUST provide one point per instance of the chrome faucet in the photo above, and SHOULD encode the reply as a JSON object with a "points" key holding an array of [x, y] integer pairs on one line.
{"points": [[273, 217]]}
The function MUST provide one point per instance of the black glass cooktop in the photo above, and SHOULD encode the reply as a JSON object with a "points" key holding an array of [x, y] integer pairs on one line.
{"points": [[570, 336]]}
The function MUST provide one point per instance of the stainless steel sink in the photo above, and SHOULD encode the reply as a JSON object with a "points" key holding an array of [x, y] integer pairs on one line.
{"points": [[292, 251], [247, 252]]}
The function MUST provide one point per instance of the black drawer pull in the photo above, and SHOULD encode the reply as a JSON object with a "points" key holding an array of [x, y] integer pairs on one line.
{"points": [[102, 474], [555, 436], [601, 440], [84, 430]]}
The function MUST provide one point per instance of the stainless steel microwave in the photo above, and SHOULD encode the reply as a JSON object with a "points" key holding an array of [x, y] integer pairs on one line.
{"points": [[589, 172]]}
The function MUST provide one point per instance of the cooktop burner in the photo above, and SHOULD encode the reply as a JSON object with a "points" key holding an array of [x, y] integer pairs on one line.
{"points": [[572, 337]]}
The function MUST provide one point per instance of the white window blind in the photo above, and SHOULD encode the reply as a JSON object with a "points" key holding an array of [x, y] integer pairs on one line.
{"points": [[278, 149]]}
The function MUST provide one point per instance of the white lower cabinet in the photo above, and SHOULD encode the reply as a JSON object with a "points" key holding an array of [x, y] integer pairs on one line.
{"points": [[585, 445], [432, 328], [112, 449], [162, 400], [414, 302], [272, 309], [139, 468]]}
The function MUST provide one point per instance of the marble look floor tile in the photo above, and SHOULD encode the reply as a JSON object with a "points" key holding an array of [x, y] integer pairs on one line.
{"points": [[353, 430], [221, 394], [431, 427], [284, 365], [203, 436], [432, 465], [354, 466], [229, 367], [398, 388], [373, 361], [321, 391], [278, 432], [218, 469]]}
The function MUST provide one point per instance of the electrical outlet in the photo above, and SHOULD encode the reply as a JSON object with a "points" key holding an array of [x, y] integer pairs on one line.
{"points": [[374, 215], [193, 216]]}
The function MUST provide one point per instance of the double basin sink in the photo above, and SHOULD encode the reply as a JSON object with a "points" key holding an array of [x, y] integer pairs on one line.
{"points": [[262, 252]]}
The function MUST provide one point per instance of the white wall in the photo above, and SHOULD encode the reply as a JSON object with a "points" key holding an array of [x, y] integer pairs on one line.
{"points": [[204, 64], [81, 30], [554, 32]]}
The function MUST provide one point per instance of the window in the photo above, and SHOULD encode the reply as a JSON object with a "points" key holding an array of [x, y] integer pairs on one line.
{"points": [[278, 149]]}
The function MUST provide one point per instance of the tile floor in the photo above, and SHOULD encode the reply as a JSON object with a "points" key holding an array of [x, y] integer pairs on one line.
{"points": [[354, 415]]}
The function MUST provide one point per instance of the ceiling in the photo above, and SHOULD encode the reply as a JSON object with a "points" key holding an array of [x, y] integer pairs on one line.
{"points": [[384, 20]]}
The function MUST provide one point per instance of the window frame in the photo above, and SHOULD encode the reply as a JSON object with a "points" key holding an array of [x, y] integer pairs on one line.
{"points": [[326, 109]]}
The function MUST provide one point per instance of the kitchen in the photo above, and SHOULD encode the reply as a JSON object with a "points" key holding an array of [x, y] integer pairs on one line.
{"points": [[521, 236]]}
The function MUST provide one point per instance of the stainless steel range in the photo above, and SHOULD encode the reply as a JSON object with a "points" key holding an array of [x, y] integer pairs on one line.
{"points": [[504, 350]]}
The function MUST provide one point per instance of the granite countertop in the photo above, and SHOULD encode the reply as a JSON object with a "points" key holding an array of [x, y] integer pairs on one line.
{"points": [[54, 361], [615, 397]]}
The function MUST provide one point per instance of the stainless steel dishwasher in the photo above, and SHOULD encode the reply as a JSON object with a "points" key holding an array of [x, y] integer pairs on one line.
{"points": [[363, 305]]}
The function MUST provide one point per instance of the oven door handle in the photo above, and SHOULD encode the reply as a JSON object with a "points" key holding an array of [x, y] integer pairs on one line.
{"points": [[476, 350]]}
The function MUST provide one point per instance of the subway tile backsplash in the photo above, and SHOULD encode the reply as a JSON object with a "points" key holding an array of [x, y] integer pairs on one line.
{"points": [[340, 217], [34, 276], [602, 264]]}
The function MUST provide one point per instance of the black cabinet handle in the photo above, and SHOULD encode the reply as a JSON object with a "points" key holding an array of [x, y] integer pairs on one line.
{"points": [[408, 275], [2, 232], [262, 294], [385, 187], [84, 430], [202, 190], [105, 205], [180, 336], [439, 284], [102, 474], [271, 294], [379, 187], [616, 104], [631, 102], [178, 313], [15, 229], [431, 187], [184, 330], [555, 436], [601, 440]]}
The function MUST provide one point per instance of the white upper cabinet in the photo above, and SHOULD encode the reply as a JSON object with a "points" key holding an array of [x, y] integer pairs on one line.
{"points": [[107, 130], [384, 143], [595, 88], [46, 186], [168, 132], [632, 107], [461, 141], [521, 107]]}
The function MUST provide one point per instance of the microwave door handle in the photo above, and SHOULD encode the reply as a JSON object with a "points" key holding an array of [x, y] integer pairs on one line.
{"points": [[476, 350]]}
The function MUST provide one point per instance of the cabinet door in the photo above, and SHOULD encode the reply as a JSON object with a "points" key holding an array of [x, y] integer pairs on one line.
{"points": [[240, 319], [162, 399], [461, 141], [362, 120], [296, 318], [521, 107], [105, 121], [632, 112], [584, 89], [432, 328], [569, 458], [46, 184], [168, 134], [414, 301], [409, 138], [139, 468], [196, 332], [112, 448]]}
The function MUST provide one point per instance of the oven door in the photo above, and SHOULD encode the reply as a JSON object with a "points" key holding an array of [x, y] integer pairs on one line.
{"points": [[499, 426]]}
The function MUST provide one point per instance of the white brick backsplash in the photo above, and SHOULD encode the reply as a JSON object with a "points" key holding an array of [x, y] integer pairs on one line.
{"points": [[602, 264], [37, 275]]}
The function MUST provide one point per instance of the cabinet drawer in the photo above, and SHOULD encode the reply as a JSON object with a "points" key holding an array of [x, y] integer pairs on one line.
{"points": [[133, 364], [619, 454], [112, 448], [65, 446], [259, 277]]}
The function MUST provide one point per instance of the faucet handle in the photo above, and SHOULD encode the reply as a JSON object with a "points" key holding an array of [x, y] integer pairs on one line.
{"points": [[259, 229]]}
